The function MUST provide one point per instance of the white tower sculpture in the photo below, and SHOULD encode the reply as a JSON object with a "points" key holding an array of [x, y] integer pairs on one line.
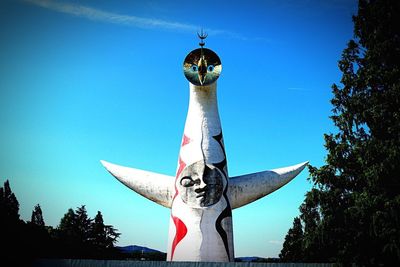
{"points": [[201, 196]]}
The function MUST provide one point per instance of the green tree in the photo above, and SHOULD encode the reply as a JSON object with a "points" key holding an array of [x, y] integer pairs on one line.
{"points": [[83, 224], [67, 223], [75, 226], [37, 216], [99, 231], [37, 236], [9, 206], [292, 247], [111, 236], [13, 231], [104, 236], [66, 232], [80, 236], [353, 212]]}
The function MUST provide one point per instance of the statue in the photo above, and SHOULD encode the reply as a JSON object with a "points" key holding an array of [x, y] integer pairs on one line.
{"points": [[201, 196]]}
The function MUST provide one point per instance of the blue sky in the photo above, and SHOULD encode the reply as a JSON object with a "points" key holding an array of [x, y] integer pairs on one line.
{"points": [[83, 81]]}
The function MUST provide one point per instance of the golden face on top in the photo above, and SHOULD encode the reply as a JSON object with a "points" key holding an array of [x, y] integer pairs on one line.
{"points": [[202, 66]]}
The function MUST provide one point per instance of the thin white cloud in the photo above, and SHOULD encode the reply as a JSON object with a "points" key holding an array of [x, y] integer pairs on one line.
{"points": [[128, 20], [99, 15], [275, 242]]}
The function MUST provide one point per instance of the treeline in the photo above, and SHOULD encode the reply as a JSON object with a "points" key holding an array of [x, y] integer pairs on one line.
{"points": [[77, 235], [352, 213]]}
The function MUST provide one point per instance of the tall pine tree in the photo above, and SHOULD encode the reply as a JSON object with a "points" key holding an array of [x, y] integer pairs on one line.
{"points": [[9, 206], [75, 227], [292, 249], [13, 232], [83, 224], [353, 212], [37, 216], [99, 237], [103, 236]]}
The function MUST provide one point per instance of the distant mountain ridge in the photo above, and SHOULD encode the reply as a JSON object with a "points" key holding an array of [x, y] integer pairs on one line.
{"points": [[139, 249], [248, 259], [134, 248]]}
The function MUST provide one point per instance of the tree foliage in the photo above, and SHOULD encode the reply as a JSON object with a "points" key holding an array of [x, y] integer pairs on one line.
{"points": [[77, 235], [83, 225], [103, 236], [9, 206], [66, 229], [37, 216], [292, 247], [10, 224], [352, 214], [85, 237], [99, 234]]}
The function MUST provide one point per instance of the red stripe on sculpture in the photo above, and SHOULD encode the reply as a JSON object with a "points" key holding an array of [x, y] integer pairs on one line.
{"points": [[186, 140], [182, 165], [181, 231]]}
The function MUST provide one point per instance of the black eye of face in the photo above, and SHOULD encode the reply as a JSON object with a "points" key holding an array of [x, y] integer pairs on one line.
{"points": [[195, 68], [210, 68], [186, 181]]}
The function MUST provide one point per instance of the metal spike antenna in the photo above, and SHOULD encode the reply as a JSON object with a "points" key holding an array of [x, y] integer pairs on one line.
{"points": [[202, 35]]}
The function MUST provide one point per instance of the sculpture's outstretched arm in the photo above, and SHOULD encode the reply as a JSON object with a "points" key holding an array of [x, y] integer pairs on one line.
{"points": [[156, 187], [247, 188]]}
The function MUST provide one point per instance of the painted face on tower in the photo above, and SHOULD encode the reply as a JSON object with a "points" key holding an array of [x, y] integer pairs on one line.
{"points": [[202, 67], [200, 185]]}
